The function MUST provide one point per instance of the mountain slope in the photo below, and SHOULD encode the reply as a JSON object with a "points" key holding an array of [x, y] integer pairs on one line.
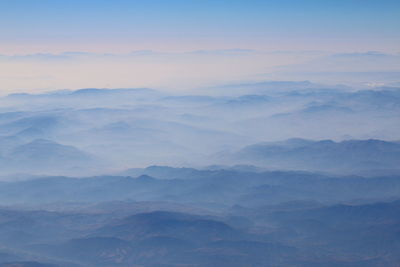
{"points": [[350, 156]]}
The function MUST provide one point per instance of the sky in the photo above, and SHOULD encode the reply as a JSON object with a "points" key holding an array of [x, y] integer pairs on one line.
{"points": [[120, 27]]}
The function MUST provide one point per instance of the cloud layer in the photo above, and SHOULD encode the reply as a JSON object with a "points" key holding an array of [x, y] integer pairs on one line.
{"points": [[193, 69]]}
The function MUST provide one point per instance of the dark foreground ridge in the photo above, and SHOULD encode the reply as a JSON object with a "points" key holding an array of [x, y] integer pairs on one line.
{"points": [[190, 217]]}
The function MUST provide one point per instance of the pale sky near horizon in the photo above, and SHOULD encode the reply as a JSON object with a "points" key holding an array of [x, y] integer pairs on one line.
{"points": [[304, 29]]}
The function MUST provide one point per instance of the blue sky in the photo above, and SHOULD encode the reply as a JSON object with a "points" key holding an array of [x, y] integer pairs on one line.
{"points": [[179, 25]]}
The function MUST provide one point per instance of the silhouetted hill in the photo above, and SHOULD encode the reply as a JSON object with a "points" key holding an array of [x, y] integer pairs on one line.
{"points": [[192, 228], [45, 156]]}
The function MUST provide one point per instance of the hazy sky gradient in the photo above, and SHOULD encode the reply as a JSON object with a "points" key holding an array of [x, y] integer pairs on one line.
{"points": [[109, 26], [172, 30]]}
